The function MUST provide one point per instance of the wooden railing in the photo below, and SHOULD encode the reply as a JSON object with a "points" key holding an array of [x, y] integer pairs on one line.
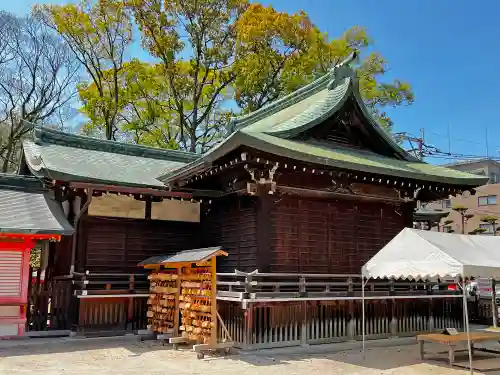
{"points": [[263, 310], [90, 284], [272, 310], [111, 302], [276, 286]]}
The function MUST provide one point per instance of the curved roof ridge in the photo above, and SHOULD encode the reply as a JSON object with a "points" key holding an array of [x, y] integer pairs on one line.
{"points": [[327, 81], [382, 132], [43, 135]]}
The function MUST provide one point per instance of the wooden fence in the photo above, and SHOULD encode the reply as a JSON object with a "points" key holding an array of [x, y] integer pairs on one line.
{"points": [[265, 325], [277, 310], [110, 303], [259, 310], [87, 303], [50, 304]]}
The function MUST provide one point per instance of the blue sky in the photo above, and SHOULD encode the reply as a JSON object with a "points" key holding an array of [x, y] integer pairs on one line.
{"points": [[448, 50]]}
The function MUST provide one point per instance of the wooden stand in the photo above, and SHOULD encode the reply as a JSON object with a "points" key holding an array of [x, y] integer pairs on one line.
{"points": [[194, 296], [163, 311]]}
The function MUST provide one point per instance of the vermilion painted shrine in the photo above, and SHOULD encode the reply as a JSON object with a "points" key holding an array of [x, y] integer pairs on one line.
{"points": [[304, 190]]}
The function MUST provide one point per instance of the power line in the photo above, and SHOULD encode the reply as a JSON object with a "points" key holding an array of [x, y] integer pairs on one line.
{"points": [[457, 139]]}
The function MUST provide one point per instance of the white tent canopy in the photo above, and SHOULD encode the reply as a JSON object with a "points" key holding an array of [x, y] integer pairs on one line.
{"points": [[418, 254], [426, 254]]}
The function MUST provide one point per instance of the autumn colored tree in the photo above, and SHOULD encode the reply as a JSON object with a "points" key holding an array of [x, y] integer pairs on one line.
{"points": [[207, 52], [277, 53], [98, 33]]}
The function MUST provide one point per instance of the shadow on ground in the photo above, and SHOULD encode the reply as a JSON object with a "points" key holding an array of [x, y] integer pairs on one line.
{"points": [[68, 345], [388, 356]]}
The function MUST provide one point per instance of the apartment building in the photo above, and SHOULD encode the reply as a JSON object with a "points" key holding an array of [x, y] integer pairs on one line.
{"points": [[486, 167], [486, 201]]}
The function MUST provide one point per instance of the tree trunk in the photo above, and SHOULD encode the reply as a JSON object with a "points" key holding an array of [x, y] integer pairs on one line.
{"points": [[7, 157]]}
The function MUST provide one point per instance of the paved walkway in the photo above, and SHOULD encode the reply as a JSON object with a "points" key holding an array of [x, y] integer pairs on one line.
{"points": [[129, 357]]}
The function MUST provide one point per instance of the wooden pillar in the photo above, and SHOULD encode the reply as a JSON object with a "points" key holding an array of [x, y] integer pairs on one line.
{"points": [[351, 311], [407, 212], [213, 312], [264, 204], [303, 327]]}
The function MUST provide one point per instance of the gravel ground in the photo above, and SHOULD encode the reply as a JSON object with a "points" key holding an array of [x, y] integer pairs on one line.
{"points": [[127, 357]]}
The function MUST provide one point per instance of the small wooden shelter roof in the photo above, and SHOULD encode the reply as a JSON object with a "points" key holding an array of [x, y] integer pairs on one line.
{"points": [[186, 256]]}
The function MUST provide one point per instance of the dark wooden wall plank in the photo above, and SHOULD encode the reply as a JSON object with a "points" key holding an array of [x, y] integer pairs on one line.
{"points": [[232, 224], [117, 245], [315, 236]]}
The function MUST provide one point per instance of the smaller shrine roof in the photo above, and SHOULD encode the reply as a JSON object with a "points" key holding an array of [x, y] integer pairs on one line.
{"points": [[70, 157], [186, 256], [27, 208]]}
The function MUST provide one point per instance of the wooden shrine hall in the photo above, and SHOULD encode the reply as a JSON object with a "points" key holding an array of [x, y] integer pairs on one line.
{"points": [[30, 217], [300, 195]]}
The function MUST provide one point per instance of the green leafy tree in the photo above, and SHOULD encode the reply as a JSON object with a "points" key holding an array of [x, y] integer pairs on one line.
{"points": [[278, 53], [447, 226], [98, 33], [207, 52], [477, 231], [462, 210], [491, 220], [198, 84], [214, 50]]}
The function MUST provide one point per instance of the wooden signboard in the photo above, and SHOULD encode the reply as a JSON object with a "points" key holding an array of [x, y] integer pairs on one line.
{"points": [[112, 205], [175, 210]]}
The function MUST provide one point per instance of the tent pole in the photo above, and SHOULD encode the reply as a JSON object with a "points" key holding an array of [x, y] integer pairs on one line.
{"points": [[363, 311], [466, 313]]}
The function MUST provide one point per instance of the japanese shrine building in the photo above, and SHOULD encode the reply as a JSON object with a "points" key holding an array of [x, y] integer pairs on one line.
{"points": [[30, 216], [311, 183], [308, 184]]}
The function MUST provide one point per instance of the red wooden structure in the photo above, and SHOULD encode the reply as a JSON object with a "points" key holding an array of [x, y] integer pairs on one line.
{"points": [[14, 279]]}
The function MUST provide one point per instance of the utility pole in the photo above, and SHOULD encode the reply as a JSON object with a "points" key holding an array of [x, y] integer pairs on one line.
{"points": [[449, 139], [421, 141], [487, 149]]}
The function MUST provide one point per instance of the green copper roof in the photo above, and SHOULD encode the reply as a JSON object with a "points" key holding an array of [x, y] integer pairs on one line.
{"points": [[311, 106], [340, 157], [275, 129], [68, 157], [27, 207]]}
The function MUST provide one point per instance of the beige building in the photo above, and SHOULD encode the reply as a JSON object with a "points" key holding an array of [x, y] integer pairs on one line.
{"points": [[486, 201]]}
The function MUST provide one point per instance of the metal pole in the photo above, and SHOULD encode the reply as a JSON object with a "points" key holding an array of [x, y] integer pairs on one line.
{"points": [[467, 325], [494, 306], [363, 311]]}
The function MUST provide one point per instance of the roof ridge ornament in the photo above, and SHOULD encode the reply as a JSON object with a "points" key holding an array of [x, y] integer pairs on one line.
{"points": [[342, 70]]}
